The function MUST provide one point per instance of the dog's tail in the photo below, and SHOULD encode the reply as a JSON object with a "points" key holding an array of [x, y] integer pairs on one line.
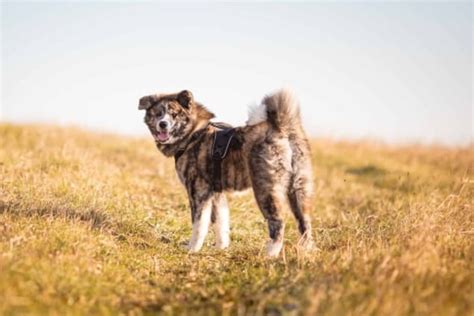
{"points": [[280, 110]]}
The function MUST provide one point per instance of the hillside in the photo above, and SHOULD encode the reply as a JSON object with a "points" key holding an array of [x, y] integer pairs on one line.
{"points": [[95, 224]]}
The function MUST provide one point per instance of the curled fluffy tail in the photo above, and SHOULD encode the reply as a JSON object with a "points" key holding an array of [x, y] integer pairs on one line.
{"points": [[280, 110]]}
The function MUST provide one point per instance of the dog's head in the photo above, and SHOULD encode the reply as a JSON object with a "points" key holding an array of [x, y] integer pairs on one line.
{"points": [[171, 118]]}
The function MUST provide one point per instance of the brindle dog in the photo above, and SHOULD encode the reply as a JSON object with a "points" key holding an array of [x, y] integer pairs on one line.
{"points": [[270, 153]]}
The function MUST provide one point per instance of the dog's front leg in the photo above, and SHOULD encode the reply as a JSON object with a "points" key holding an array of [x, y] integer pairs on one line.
{"points": [[201, 217], [220, 219]]}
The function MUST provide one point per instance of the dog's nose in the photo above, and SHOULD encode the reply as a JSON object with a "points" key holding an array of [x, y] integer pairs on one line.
{"points": [[163, 124]]}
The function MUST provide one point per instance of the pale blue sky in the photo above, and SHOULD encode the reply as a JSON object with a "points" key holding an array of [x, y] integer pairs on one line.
{"points": [[398, 72]]}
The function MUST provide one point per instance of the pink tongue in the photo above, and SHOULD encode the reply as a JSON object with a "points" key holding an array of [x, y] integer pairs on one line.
{"points": [[162, 135]]}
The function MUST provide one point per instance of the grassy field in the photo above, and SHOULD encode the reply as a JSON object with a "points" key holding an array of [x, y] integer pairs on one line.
{"points": [[95, 224]]}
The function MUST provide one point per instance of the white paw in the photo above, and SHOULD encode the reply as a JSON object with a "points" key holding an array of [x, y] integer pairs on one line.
{"points": [[194, 248], [222, 244], [274, 248], [306, 244]]}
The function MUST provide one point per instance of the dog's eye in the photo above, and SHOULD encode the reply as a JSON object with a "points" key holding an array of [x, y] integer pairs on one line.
{"points": [[160, 113]]}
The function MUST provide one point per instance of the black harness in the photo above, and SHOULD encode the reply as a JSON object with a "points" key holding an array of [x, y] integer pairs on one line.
{"points": [[221, 144], [220, 147]]}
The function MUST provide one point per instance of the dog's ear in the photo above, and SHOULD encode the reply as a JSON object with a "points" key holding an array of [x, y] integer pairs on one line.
{"points": [[185, 98], [146, 102]]}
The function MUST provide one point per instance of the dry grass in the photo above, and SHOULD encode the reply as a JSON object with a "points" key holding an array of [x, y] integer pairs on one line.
{"points": [[94, 224]]}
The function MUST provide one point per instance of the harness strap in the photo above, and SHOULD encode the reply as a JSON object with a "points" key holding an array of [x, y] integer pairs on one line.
{"points": [[220, 148]]}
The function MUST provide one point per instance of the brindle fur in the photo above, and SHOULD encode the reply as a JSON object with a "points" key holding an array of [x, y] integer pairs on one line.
{"points": [[271, 156]]}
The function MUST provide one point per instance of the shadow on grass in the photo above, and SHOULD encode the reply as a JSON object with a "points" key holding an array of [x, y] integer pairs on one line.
{"points": [[96, 219], [368, 171], [125, 230], [383, 179]]}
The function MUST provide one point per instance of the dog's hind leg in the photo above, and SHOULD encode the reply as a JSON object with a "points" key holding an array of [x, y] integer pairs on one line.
{"points": [[299, 194], [220, 219], [270, 203], [270, 167], [300, 205]]}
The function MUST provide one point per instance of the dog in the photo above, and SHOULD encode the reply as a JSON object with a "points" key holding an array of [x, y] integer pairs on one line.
{"points": [[270, 154]]}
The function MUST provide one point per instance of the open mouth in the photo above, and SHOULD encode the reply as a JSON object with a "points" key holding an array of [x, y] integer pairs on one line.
{"points": [[162, 136]]}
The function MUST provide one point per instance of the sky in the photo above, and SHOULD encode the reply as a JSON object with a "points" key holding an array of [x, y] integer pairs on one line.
{"points": [[399, 72]]}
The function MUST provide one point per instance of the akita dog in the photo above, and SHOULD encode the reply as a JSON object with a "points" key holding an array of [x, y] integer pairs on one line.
{"points": [[270, 153]]}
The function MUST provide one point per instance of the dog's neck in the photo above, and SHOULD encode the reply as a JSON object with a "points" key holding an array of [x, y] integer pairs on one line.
{"points": [[200, 125]]}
